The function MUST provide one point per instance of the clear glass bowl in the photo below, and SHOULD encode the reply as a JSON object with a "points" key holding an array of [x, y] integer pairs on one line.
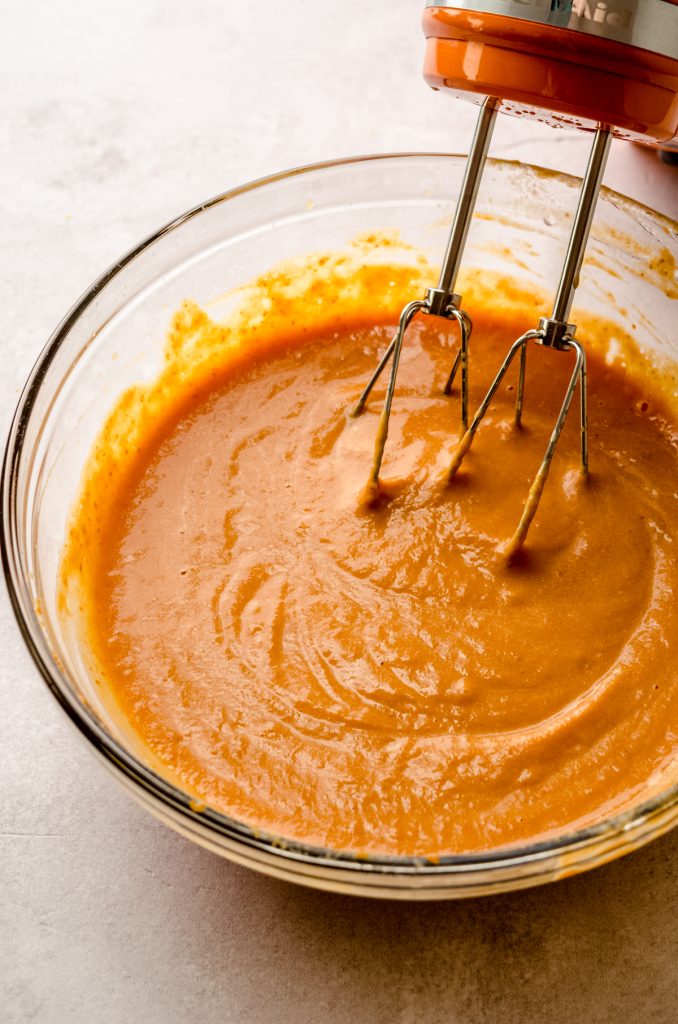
{"points": [[114, 338]]}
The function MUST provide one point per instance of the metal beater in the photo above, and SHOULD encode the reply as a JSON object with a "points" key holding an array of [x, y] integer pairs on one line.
{"points": [[441, 301], [554, 332]]}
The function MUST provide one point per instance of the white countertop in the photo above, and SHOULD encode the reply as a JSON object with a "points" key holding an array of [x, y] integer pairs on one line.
{"points": [[116, 117]]}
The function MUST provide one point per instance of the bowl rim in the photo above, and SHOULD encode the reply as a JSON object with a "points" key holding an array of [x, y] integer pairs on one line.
{"points": [[140, 774]]}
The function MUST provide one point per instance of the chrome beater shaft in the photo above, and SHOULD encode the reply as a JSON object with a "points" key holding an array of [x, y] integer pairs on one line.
{"points": [[552, 332], [441, 301]]}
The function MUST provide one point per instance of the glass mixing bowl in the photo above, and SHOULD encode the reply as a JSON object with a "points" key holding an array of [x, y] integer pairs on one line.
{"points": [[114, 337]]}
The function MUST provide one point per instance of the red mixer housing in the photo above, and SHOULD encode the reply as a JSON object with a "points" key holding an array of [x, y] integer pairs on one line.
{"points": [[566, 62]]}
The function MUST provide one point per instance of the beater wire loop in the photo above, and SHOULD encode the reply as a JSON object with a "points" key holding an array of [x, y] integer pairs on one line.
{"points": [[372, 492], [461, 360]]}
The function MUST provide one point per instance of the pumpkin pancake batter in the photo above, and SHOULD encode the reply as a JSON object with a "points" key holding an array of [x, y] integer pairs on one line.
{"points": [[377, 679]]}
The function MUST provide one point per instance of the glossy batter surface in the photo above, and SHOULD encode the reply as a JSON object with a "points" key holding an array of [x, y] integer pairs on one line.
{"points": [[379, 680]]}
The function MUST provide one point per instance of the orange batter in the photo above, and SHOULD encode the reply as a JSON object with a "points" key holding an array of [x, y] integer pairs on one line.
{"points": [[378, 679]]}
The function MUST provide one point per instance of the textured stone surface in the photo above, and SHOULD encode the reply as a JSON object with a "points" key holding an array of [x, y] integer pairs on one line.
{"points": [[115, 117]]}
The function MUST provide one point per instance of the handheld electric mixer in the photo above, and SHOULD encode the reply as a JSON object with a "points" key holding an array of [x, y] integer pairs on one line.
{"points": [[608, 68]]}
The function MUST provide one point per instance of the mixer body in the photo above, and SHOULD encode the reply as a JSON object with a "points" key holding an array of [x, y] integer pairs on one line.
{"points": [[578, 63]]}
